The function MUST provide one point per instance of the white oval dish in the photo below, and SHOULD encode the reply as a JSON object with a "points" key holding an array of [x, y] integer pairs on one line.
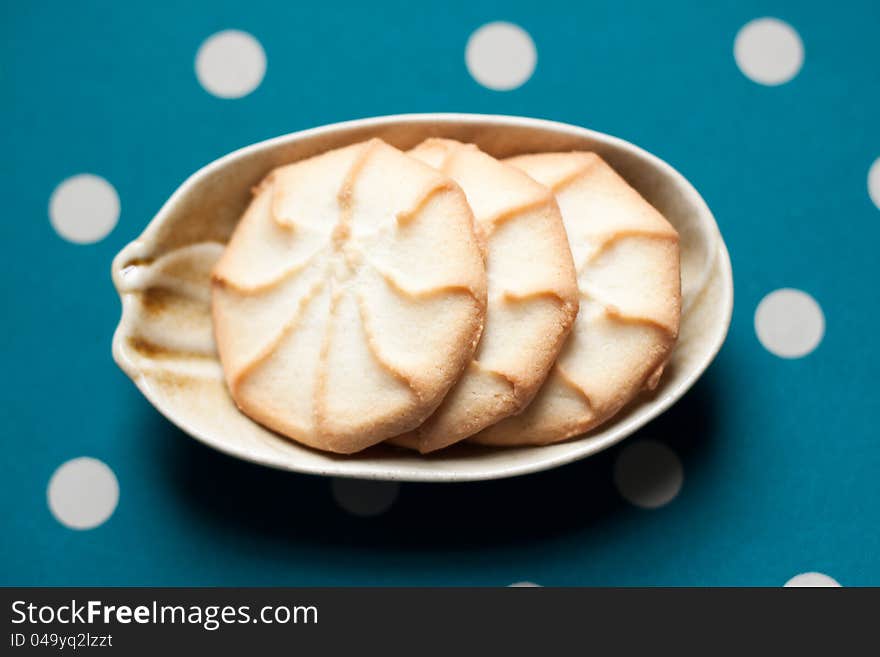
{"points": [[164, 340]]}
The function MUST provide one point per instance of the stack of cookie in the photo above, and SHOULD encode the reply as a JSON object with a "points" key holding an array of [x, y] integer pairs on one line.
{"points": [[441, 295]]}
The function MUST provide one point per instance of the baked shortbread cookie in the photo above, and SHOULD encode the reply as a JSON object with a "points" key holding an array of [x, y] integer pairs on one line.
{"points": [[628, 273], [533, 294], [350, 298]]}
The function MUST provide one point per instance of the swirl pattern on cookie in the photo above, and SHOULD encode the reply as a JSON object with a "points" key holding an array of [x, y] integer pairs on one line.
{"points": [[627, 259], [532, 293], [349, 298]]}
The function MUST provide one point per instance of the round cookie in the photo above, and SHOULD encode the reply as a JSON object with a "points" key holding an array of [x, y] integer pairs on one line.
{"points": [[350, 297], [627, 259], [532, 293]]}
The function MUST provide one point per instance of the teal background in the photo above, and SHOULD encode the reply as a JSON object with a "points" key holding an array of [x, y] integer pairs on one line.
{"points": [[781, 457]]}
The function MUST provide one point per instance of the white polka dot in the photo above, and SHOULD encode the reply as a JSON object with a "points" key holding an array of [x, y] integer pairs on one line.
{"points": [[768, 51], [363, 497], [811, 580], [648, 474], [501, 56], [789, 323], [523, 585], [83, 493], [230, 64], [84, 208], [874, 182]]}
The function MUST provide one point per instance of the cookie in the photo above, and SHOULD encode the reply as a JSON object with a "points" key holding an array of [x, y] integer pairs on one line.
{"points": [[350, 297], [627, 259], [532, 293]]}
